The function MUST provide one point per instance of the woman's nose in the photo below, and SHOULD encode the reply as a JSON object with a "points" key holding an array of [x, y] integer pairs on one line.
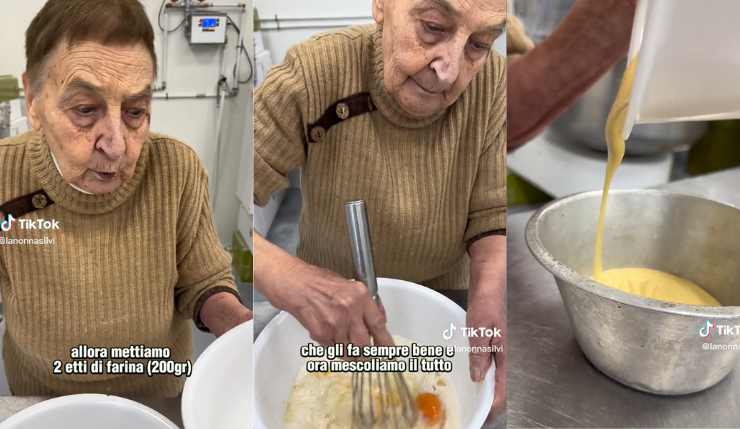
{"points": [[447, 65], [112, 141]]}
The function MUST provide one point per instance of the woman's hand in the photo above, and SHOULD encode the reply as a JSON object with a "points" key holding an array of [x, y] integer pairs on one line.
{"points": [[487, 310], [333, 309]]}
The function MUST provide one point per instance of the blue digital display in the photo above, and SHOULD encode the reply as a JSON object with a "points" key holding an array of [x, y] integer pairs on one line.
{"points": [[209, 22]]}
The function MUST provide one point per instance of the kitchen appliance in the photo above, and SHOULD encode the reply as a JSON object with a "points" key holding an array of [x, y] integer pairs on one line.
{"points": [[208, 28]]}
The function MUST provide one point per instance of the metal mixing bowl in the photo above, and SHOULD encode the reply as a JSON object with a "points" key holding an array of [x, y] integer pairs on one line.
{"points": [[584, 122], [646, 344]]}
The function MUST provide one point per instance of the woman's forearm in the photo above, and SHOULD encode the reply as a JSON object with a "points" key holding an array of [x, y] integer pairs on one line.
{"points": [[272, 269], [488, 268], [546, 80]]}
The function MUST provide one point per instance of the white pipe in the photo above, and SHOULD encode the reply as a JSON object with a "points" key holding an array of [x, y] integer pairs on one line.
{"points": [[172, 96], [208, 5], [277, 18], [239, 44], [188, 14], [217, 166], [185, 95], [278, 24], [165, 32], [222, 62]]}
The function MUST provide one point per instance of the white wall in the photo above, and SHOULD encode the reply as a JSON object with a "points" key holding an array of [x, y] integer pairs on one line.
{"points": [[299, 19], [190, 71]]}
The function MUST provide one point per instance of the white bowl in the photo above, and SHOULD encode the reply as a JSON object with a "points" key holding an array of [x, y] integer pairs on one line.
{"points": [[218, 395], [414, 312], [88, 411]]}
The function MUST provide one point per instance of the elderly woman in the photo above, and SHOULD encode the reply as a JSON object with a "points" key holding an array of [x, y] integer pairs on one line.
{"points": [[408, 114], [135, 254]]}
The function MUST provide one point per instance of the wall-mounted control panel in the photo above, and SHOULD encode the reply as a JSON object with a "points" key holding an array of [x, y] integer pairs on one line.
{"points": [[208, 28]]}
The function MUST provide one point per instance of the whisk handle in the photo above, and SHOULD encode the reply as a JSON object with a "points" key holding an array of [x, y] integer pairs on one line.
{"points": [[362, 249]]}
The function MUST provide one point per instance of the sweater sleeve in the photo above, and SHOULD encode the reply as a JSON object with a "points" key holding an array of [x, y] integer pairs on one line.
{"points": [[4, 280], [203, 266], [279, 127], [488, 202]]}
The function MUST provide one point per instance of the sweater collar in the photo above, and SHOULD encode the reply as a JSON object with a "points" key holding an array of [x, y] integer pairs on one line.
{"points": [[386, 104], [56, 164], [63, 194]]}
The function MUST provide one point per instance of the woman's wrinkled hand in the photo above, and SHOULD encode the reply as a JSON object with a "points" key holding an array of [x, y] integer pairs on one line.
{"points": [[488, 313], [333, 309]]}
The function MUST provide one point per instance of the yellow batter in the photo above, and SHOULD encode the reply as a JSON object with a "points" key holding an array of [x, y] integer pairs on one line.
{"points": [[656, 285], [638, 281]]}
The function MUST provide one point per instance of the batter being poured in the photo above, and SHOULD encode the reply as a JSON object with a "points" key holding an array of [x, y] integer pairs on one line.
{"points": [[644, 282]]}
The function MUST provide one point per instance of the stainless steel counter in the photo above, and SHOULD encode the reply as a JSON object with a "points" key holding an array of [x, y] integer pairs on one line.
{"points": [[551, 384]]}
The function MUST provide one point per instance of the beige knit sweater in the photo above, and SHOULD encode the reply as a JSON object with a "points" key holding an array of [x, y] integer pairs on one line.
{"points": [[126, 268], [430, 185]]}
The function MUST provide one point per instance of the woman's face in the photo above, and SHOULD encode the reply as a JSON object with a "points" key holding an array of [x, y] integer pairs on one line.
{"points": [[434, 48], [93, 105]]}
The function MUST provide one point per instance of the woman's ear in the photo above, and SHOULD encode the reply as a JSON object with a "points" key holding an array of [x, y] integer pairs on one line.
{"points": [[30, 96], [378, 11]]}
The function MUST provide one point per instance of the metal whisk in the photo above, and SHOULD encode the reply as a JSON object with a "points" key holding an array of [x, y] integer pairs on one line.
{"points": [[395, 407]]}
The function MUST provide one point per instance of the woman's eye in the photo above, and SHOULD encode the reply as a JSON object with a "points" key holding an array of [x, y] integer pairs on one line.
{"points": [[433, 28], [135, 117], [480, 46], [85, 110], [135, 113], [478, 49]]}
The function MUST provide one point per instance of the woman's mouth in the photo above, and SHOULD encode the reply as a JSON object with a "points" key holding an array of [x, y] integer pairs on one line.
{"points": [[104, 176], [428, 90]]}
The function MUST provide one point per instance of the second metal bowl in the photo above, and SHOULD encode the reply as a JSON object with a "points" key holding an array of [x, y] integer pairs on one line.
{"points": [[650, 345]]}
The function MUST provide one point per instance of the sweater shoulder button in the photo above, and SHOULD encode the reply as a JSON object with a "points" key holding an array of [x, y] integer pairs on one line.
{"points": [[39, 201], [342, 111], [317, 133]]}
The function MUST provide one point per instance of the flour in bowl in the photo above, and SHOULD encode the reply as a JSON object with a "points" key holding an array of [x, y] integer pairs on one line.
{"points": [[324, 400]]}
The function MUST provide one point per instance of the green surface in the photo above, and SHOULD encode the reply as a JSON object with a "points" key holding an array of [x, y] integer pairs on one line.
{"points": [[717, 150], [521, 192], [242, 258], [257, 26], [9, 89]]}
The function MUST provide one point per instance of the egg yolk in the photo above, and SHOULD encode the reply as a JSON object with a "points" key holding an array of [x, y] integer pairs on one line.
{"points": [[430, 407]]}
